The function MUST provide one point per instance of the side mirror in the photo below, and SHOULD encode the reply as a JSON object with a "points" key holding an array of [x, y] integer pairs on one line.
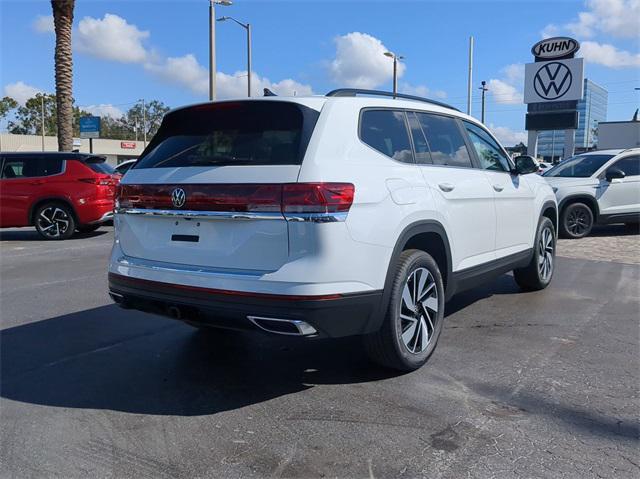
{"points": [[614, 174], [525, 164]]}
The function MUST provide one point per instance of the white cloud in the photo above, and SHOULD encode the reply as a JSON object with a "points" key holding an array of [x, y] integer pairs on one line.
{"points": [[504, 93], [187, 72], [549, 31], [184, 71], [507, 136], [21, 92], [514, 73], [505, 90], [618, 18], [421, 90], [608, 55], [111, 38], [360, 62], [104, 109], [43, 24]]}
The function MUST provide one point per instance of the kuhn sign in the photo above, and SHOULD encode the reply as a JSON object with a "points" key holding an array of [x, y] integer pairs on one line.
{"points": [[556, 47]]}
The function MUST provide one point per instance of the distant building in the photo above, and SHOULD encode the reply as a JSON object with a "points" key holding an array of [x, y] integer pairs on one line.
{"points": [[115, 151], [619, 134], [592, 109]]}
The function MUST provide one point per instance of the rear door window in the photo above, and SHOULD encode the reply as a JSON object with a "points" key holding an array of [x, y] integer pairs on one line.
{"points": [[31, 167], [232, 133], [386, 131], [445, 139]]}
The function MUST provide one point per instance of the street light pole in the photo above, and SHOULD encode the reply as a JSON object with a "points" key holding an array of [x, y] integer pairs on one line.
{"points": [[42, 118], [212, 44], [470, 78], [144, 123], [395, 70], [484, 90], [247, 27]]}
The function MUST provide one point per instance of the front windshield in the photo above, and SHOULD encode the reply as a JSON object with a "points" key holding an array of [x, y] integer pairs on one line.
{"points": [[581, 166]]}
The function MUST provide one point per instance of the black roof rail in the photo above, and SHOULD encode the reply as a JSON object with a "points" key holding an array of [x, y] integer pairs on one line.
{"points": [[359, 91]]}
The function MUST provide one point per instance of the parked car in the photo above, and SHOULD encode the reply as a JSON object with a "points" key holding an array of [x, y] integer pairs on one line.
{"points": [[327, 216], [123, 167], [58, 193], [543, 166], [598, 187]]}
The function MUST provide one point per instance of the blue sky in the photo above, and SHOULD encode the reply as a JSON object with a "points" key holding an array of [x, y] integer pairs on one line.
{"points": [[126, 50]]}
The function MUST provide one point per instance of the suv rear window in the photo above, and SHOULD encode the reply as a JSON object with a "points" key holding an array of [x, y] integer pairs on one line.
{"points": [[232, 133], [99, 165]]}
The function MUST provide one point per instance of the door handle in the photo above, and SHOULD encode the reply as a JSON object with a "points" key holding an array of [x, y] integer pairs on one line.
{"points": [[446, 187], [498, 188], [37, 182]]}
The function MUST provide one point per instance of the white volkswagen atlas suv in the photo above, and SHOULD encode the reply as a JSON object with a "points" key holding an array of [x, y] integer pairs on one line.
{"points": [[327, 216], [598, 187]]}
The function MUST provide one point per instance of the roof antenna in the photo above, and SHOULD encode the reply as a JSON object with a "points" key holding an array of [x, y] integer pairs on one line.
{"points": [[268, 92]]}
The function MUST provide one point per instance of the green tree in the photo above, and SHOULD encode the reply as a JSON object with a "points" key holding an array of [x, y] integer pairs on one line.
{"points": [[155, 111], [28, 118], [6, 105], [63, 23]]}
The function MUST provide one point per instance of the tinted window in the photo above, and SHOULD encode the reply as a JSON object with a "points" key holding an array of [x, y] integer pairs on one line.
{"points": [[232, 133], [31, 167], [581, 166], [386, 131], [419, 141], [100, 166], [445, 140], [489, 153], [630, 165]]}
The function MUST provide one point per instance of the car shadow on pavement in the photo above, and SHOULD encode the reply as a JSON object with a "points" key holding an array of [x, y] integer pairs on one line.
{"points": [[614, 230], [529, 403], [504, 284], [109, 358], [30, 234]]}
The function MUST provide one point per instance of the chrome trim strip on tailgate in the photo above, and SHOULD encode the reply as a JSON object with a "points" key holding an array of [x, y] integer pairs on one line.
{"points": [[236, 215], [212, 215], [167, 267]]}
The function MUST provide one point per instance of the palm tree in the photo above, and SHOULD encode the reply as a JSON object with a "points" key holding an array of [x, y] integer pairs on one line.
{"points": [[63, 21]]}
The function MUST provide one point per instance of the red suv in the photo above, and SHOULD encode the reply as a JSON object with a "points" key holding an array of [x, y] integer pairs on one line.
{"points": [[58, 193]]}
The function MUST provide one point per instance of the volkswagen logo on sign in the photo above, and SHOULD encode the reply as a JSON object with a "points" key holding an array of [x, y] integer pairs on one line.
{"points": [[178, 197], [552, 80]]}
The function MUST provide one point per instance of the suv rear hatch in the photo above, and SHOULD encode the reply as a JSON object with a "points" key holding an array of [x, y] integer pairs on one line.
{"points": [[208, 189]]}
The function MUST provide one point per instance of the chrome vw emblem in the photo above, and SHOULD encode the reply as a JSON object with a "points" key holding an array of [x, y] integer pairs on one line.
{"points": [[552, 80], [178, 197]]}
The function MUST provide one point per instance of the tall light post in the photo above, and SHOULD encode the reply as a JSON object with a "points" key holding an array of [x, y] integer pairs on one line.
{"points": [[395, 70], [212, 44], [144, 122], [247, 27], [484, 90]]}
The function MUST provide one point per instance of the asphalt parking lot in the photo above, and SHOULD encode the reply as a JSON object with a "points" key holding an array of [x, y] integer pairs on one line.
{"points": [[538, 384]]}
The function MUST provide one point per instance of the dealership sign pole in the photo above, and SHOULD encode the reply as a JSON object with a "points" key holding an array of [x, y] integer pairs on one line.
{"points": [[553, 85]]}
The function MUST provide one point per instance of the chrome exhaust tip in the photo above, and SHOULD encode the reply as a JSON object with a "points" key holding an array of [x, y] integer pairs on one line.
{"points": [[288, 327]]}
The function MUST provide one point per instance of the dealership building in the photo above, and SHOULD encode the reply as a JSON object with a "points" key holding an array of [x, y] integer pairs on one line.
{"points": [[116, 151], [592, 109]]}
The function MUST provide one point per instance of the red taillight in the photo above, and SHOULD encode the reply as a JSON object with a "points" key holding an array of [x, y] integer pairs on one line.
{"points": [[100, 180], [317, 197], [287, 198]]}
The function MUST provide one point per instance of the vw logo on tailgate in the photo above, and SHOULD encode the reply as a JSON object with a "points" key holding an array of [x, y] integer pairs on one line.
{"points": [[552, 81], [178, 197]]}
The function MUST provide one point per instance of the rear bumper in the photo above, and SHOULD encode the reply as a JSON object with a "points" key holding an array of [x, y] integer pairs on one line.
{"points": [[95, 211], [334, 315]]}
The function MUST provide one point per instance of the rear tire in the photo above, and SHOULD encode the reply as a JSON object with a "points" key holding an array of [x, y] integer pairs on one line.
{"points": [[55, 221], [538, 273], [576, 221], [415, 313]]}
